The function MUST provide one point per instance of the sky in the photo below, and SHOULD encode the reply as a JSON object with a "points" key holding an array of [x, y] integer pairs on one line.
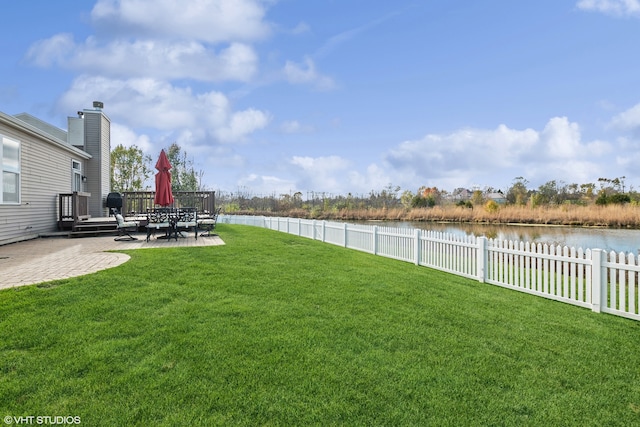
{"points": [[343, 96]]}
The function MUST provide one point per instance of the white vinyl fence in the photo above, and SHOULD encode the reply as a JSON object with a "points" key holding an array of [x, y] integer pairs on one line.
{"points": [[591, 278]]}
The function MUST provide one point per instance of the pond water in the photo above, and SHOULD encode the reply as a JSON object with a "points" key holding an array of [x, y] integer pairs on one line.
{"points": [[619, 240]]}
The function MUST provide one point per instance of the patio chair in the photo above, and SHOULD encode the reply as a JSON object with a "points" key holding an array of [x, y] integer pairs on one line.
{"points": [[187, 219], [125, 228], [209, 224], [159, 220]]}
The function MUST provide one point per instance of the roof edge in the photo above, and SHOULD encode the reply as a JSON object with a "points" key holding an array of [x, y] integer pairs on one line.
{"points": [[30, 129]]}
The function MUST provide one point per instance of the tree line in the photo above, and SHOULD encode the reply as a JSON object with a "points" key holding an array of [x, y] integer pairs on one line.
{"points": [[606, 191], [132, 170], [552, 193]]}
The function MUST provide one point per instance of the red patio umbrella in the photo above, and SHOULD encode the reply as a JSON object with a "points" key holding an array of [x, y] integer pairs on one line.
{"points": [[164, 196]]}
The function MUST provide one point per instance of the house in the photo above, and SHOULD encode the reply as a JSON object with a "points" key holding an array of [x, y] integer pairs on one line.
{"points": [[497, 197], [461, 194], [39, 162]]}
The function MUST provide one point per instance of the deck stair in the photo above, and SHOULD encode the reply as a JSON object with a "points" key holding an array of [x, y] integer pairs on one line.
{"points": [[95, 227]]}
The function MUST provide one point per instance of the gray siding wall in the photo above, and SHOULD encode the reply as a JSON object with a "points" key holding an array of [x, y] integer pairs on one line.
{"points": [[105, 171], [97, 128], [45, 172]]}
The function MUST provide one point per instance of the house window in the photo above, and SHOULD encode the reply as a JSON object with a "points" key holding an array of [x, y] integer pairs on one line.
{"points": [[76, 168], [10, 167]]}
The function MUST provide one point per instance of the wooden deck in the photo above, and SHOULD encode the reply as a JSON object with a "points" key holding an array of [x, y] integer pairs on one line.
{"points": [[138, 202], [73, 210], [94, 227]]}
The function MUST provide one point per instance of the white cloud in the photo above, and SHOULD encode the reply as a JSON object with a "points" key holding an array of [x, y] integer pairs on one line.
{"points": [[149, 103], [374, 178], [122, 135], [266, 184], [205, 40], [147, 58], [48, 52], [294, 126], [628, 120], [337, 175], [306, 73], [561, 138], [463, 150], [467, 156], [320, 164], [330, 174], [169, 60], [629, 162], [242, 124], [210, 21], [321, 173], [612, 7]]}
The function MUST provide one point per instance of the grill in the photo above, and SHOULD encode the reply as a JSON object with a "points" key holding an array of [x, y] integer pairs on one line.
{"points": [[114, 202]]}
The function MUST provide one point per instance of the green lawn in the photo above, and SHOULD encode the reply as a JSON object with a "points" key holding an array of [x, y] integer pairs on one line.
{"points": [[273, 329]]}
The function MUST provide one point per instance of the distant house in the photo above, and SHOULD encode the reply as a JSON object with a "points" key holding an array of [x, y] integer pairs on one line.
{"points": [[497, 197], [461, 194], [39, 162]]}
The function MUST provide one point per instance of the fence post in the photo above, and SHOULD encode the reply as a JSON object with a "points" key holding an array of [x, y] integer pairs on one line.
{"points": [[481, 259], [416, 246], [324, 224], [345, 234], [375, 240], [598, 285]]}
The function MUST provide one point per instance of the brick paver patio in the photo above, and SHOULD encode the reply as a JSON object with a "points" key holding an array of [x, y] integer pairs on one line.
{"points": [[52, 258]]}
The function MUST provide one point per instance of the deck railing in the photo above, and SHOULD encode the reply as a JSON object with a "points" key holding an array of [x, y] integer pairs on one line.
{"points": [[72, 208], [591, 278], [138, 202]]}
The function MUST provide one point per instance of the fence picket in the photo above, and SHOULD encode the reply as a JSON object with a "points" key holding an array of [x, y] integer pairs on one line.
{"points": [[545, 271], [513, 263], [526, 248], [581, 276], [565, 273], [622, 288], [559, 273], [612, 282], [572, 273], [539, 269], [632, 285]]}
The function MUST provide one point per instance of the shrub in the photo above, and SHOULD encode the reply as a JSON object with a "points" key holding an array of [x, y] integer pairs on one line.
{"points": [[491, 206], [423, 202], [619, 199], [465, 204], [602, 199], [616, 199]]}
